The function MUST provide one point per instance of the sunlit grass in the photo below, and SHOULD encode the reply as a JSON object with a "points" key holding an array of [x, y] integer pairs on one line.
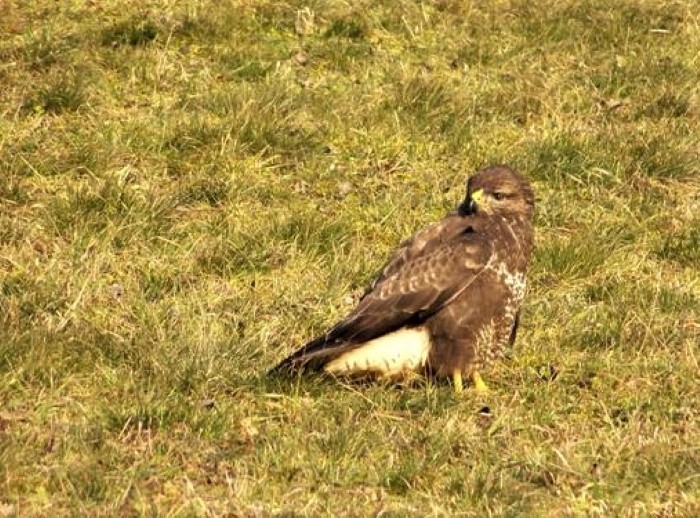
{"points": [[190, 190]]}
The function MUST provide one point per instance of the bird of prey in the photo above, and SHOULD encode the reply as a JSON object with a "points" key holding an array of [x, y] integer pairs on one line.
{"points": [[448, 301]]}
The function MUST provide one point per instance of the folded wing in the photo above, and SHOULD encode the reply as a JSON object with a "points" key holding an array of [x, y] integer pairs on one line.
{"points": [[414, 285]]}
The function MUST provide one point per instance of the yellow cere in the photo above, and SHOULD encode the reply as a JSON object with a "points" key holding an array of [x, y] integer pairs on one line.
{"points": [[478, 196]]}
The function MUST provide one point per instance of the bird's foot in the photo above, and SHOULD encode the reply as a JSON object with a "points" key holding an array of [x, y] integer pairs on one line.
{"points": [[479, 383], [457, 382]]}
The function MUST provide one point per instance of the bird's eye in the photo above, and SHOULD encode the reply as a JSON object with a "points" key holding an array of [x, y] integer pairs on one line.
{"points": [[499, 195]]}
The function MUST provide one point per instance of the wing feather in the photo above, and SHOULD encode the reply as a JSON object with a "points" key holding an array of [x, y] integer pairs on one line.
{"points": [[423, 241], [424, 275]]}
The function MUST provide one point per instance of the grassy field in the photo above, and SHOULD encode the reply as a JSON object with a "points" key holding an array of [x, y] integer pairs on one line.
{"points": [[189, 190]]}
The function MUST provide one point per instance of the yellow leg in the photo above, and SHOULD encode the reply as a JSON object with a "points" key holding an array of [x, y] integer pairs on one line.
{"points": [[479, 384], [457, 381]]}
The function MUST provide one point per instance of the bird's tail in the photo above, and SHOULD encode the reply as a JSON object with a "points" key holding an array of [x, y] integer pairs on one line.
{"points": [[312, 357]]}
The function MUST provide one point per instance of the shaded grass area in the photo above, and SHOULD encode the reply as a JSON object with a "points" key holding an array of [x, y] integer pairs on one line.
{"points": [[190, 190]]}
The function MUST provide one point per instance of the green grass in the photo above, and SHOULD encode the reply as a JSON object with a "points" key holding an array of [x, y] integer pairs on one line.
{"points": [[189, 190]]}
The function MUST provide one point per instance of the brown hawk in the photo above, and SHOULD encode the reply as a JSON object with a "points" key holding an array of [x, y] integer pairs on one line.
{"points": [[448, 301]]}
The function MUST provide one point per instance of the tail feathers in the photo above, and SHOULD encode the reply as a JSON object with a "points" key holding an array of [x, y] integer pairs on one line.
{"points": [[311, 357], [389, 355]]}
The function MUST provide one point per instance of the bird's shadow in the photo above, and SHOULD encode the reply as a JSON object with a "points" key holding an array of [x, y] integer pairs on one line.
{"points": [[320, 383]]}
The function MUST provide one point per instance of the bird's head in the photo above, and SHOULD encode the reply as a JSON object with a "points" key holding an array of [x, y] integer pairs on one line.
{"points": [[499, 190]]}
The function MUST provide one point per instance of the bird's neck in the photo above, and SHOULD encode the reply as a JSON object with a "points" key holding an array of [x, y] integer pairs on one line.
{"points": [[517, 234]]}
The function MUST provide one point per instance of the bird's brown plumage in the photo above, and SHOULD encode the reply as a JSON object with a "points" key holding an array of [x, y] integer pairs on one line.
{"points": [[461, 279]]}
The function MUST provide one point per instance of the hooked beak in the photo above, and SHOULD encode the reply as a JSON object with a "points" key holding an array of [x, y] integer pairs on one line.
{"points": [[475, 200], [470, 204]]}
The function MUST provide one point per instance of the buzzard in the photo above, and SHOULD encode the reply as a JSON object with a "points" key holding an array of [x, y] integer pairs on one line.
{"points": [[448, 301]]}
